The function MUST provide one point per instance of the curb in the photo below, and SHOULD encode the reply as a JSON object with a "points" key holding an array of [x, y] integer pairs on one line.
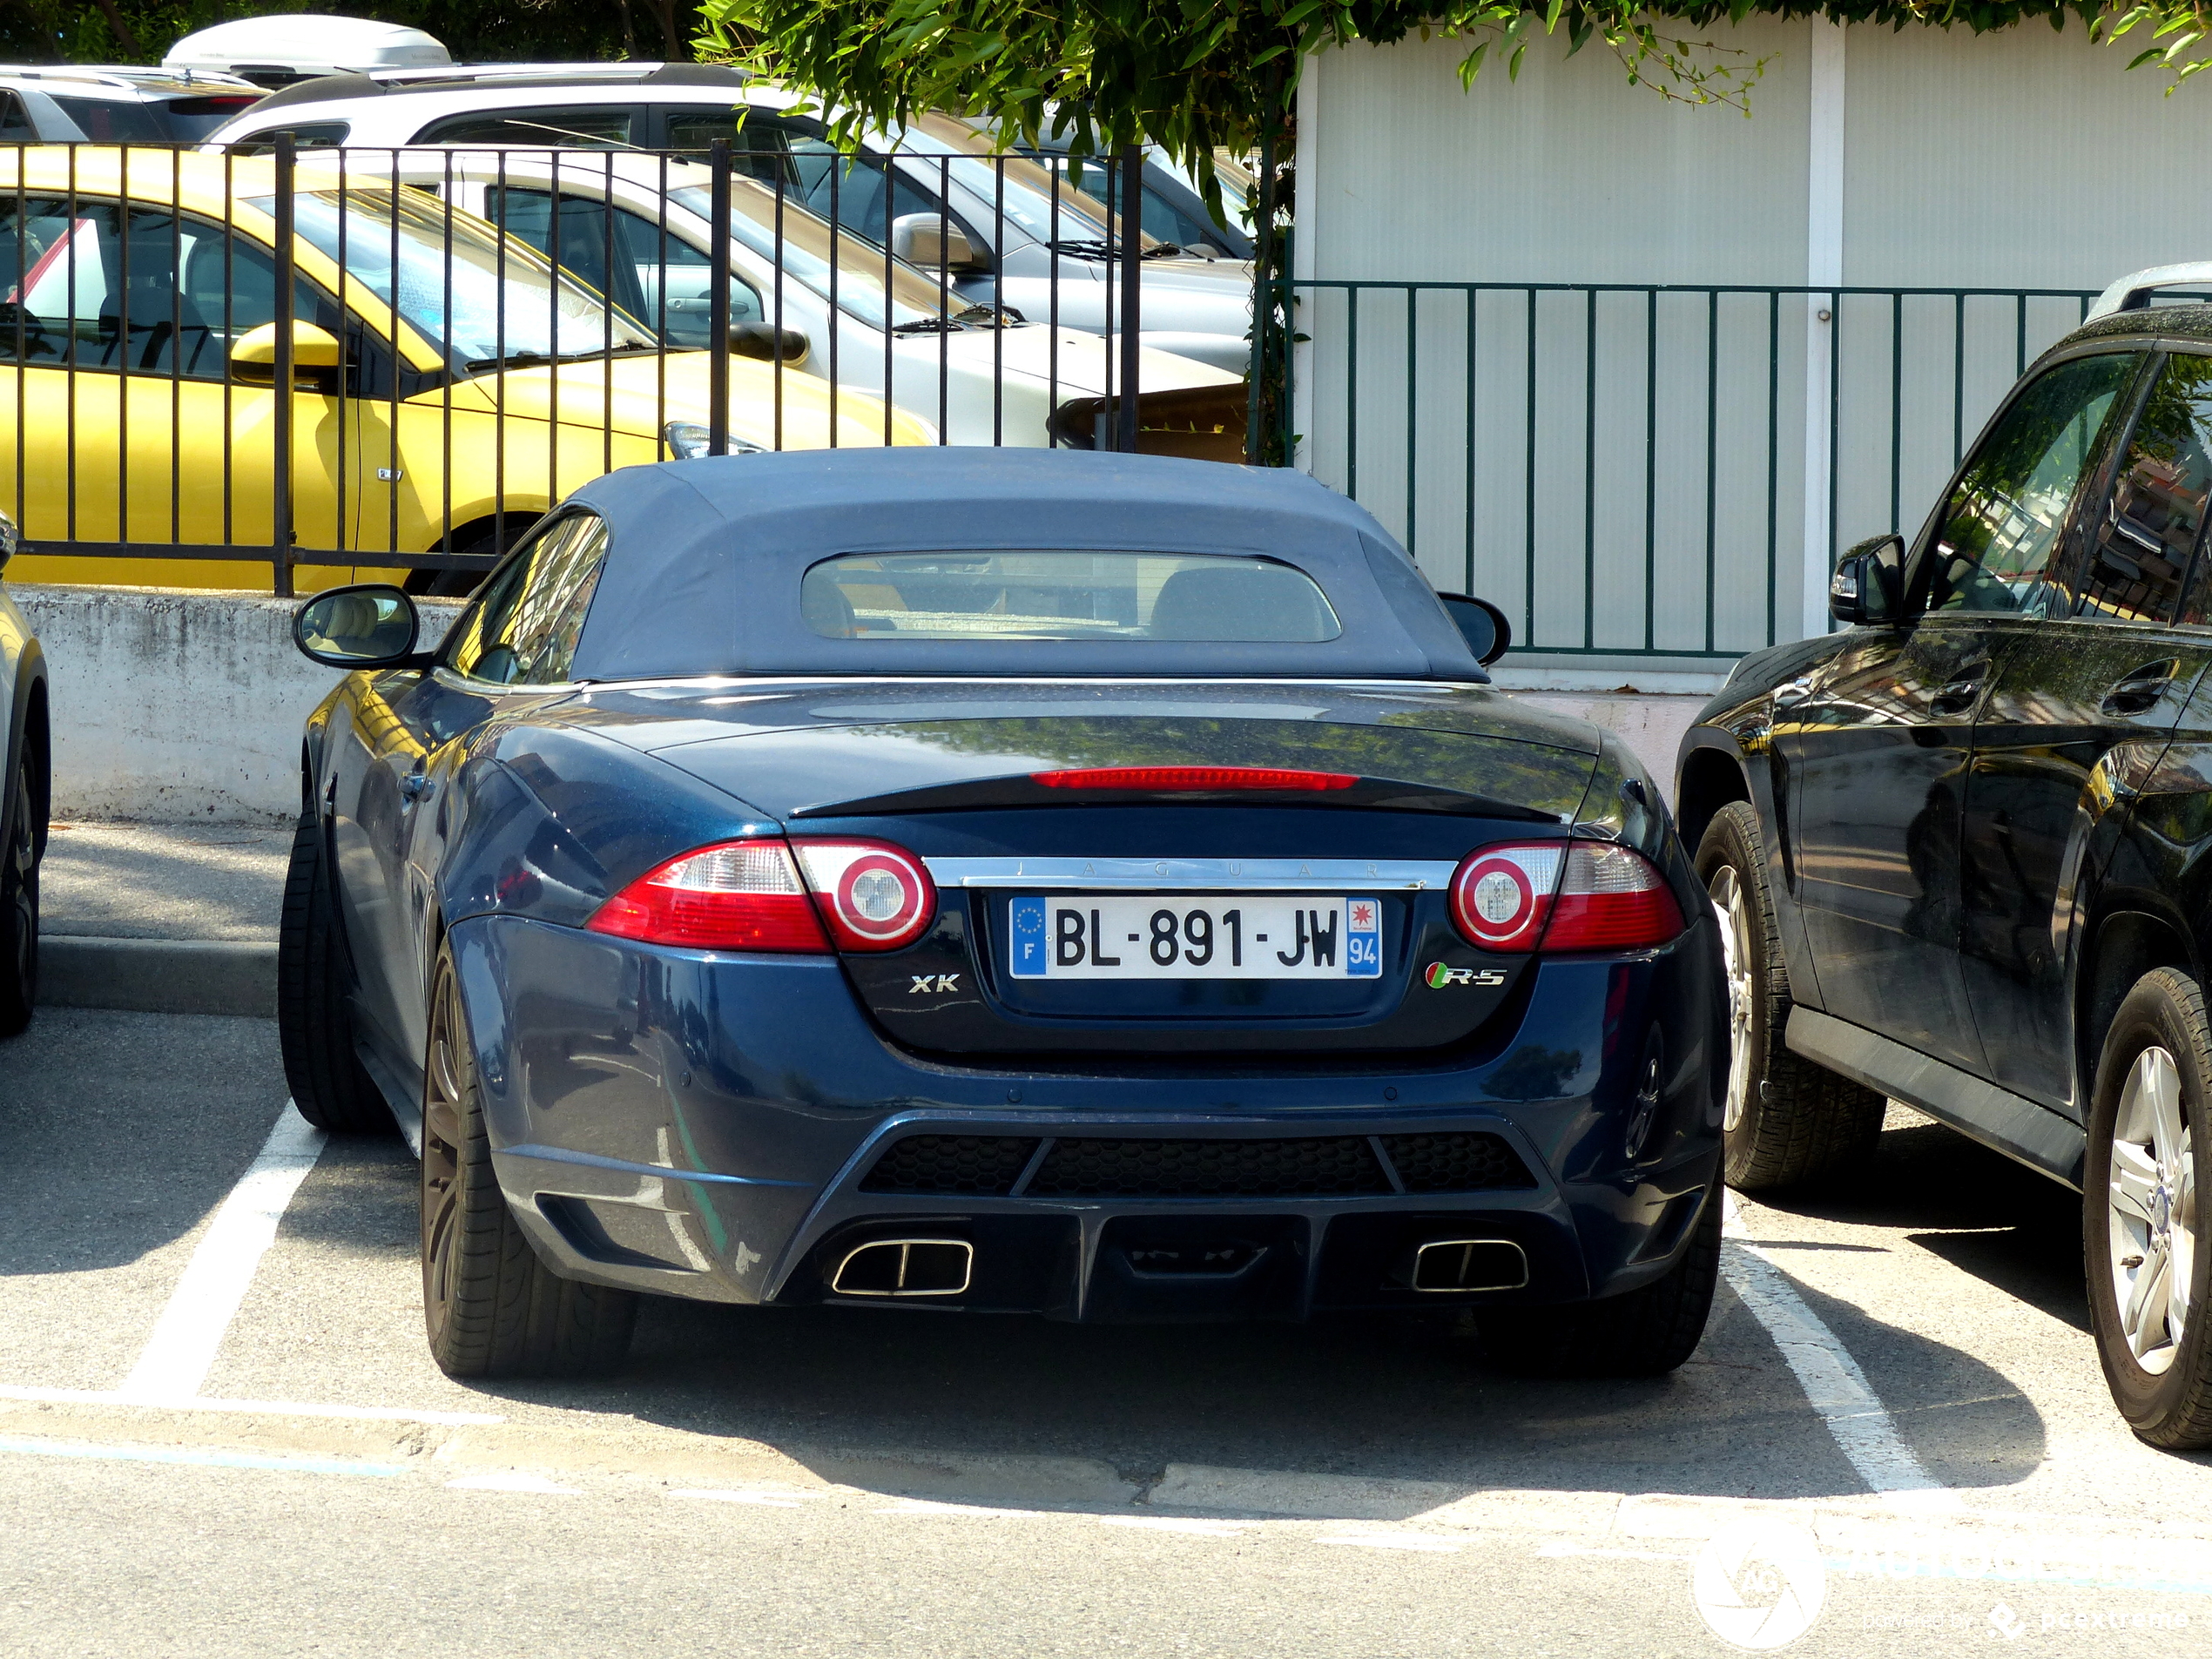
{"points": [[235, 976]]}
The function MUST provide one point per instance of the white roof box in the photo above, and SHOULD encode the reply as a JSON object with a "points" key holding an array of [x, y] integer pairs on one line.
{"points": [[276, 52]]}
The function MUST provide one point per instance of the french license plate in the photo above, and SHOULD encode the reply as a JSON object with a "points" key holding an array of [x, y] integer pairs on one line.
{"points": [[1168, 936]]}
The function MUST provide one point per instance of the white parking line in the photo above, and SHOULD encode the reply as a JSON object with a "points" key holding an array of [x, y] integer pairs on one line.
{"points": [[1170, 1523], [1833, 1384], [1393, 1540], [187, 1336]]}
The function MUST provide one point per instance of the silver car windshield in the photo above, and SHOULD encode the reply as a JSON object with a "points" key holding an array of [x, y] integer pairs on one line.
{"points": [[483, 300]]}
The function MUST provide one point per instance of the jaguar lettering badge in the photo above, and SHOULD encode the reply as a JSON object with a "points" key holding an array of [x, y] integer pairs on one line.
{"points": [[1438, 976]]}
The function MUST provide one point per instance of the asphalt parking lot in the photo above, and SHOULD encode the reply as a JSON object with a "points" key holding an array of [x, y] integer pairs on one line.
{"points": [[220, 1431]]}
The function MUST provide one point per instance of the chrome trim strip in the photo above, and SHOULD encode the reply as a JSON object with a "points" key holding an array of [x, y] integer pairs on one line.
{"points": [[1235, 875]]}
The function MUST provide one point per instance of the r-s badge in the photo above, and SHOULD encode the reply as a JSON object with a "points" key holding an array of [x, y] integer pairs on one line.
{"points": [[1440, 977]]}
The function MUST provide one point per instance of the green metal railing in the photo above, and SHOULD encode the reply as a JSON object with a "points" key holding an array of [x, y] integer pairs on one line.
{"points": [[1648, 470]]}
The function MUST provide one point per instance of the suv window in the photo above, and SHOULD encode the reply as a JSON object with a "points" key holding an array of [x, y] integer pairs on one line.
{"points": [[2000, 526], [585, 129], [184, 301], [2146, 530], [643, 253], [16, 124], [523, 630], [308, 135]]}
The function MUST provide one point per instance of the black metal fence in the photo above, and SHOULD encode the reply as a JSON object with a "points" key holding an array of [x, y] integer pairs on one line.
{"points": [[466, 335], [1650, 471]]}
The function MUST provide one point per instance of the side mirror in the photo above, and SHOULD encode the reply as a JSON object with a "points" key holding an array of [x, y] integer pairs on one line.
{"points": [[764, 341], [372, 625], [318, 359], [931, 240], [1481, 624], [11, 540], [1865, 588]]}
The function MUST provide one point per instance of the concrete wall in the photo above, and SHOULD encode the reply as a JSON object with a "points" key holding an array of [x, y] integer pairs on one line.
{"points": [[172, 704], [1921, 158]]}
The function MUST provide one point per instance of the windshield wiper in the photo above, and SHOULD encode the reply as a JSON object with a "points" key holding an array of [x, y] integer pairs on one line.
{"points": [[539, 360], [930, 326]]}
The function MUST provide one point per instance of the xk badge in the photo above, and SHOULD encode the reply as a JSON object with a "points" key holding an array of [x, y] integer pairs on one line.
{"points": [[1440, 977], [924, 982]]}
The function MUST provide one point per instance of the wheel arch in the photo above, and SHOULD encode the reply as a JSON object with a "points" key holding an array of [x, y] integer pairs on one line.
{"points": [[1711, 776], [31, 732], [2125, 942]]}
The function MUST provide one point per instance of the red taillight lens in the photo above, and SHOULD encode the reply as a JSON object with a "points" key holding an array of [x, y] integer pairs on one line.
{"points": [[1501, 895], [1168, 779], [741, 895], [874, 896], [1612, 900], [1564, 896]]}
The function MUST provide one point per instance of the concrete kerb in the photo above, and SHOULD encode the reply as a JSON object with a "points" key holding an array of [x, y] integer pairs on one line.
{"points": [[230, 976]]}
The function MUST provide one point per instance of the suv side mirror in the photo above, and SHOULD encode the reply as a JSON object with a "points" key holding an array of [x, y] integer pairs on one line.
{"points": [[11, 540], [930, 240], [761, 340], [318, 360], [370, 625], [1867, 585], [1481, 624]]}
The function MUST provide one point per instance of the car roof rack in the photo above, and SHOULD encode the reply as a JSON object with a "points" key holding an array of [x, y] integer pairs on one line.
{"points": [[437, 78], [2132, 293]]}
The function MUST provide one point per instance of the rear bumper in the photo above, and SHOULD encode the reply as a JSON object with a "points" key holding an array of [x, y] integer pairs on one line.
{"points": [[712, 1127]]}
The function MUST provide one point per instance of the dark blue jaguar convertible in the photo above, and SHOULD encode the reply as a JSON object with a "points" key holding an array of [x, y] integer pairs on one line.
{"points": [[1074, 884]]}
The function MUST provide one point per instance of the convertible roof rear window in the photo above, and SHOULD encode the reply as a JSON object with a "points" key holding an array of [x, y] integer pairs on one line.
{"points": [[1065, 594]]}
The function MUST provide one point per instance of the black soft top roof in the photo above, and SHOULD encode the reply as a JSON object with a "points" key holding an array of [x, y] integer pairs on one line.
{"points": [[704, 559]]}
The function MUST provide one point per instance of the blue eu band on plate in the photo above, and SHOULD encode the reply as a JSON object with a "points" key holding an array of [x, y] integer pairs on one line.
{"points": [[1172, 936]]}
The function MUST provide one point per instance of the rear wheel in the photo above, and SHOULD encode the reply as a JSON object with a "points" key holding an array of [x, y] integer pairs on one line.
{"points": [[490, 1307], [2143, 1237], [1645, 1333], [1785, 1121], [18, 902], [314, 1026]]}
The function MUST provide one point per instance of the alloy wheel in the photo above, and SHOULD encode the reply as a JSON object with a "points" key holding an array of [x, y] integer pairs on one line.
{"points": [[444, 1116], [1734, 915], [2153, 1212]]}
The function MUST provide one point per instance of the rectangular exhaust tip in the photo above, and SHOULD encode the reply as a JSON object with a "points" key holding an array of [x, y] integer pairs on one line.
{"points": [[898, 1267], [1444, 1265]]}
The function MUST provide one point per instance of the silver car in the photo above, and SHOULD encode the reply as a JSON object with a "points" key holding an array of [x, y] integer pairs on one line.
{"points": [[25, 789]]}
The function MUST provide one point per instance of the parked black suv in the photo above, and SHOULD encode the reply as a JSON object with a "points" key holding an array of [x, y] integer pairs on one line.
{"points": [[1964, 848]]}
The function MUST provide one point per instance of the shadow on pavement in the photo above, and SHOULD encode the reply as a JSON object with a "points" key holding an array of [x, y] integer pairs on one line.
{"points": [[119, 1132]]}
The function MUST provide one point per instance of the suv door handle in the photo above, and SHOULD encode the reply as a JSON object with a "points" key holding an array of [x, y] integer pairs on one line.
{"points": [[1957, 695], [2139, 693]]}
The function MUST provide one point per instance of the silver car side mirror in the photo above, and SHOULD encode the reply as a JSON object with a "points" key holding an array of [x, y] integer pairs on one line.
{"points": [[931, 240]]}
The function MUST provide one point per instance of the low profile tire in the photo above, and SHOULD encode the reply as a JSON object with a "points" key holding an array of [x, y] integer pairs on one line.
{"points": [[1647, 1333], [1785, 1121], [2149, 1166], [490, 1307], [314, 1026], [18, 902]]}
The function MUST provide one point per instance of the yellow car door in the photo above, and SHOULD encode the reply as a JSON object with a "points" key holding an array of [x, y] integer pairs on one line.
{"points": [[112, 378]]}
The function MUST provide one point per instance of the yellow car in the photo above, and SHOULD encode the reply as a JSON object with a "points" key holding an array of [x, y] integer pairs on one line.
{"points": [[442, 376]]}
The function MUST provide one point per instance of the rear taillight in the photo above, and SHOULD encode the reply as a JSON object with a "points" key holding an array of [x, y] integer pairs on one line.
{"points": [[1562, 896], [874, 896], [741, 895], [1171, 779], [753, 895], [1612, 900]]}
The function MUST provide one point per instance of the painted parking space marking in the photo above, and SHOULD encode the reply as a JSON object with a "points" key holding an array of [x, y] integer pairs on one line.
{"points": [[511, 1480], [195, 1458], [1176, 1523], [189, 1333], [258, 1407], [1834, 1384], [1412, 1540], [765, 1499]]}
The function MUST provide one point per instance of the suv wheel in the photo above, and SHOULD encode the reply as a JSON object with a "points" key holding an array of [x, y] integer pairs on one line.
{"points": [[2149, 1165], [315, 1027], [1786, 1120], [491, 1308], [18, 902]]}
